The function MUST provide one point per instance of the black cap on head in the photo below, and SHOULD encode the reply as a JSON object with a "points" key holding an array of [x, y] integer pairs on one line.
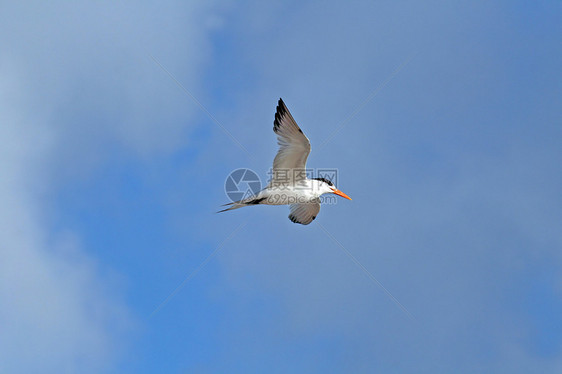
{"points": [[328, 182]]}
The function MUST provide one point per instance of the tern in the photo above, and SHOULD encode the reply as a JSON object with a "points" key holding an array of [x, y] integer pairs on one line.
{"points": [[289, 184]]}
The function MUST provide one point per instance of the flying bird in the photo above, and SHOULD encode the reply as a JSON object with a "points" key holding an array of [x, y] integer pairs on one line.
{"points": [[289, 184]]}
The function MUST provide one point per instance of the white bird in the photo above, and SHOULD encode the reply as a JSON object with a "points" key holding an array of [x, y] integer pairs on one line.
{"points": [[289, 184]]}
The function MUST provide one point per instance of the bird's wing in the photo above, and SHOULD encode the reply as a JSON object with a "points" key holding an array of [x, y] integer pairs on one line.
{"points": [[304, 213], [290, 162]]}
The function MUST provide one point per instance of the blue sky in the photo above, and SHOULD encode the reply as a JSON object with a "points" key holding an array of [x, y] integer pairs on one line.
{"points": [[111, 175]]}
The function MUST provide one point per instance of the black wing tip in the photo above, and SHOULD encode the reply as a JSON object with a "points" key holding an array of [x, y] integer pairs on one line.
{"points": [[296, 220], [281, 107], [280, 112]]}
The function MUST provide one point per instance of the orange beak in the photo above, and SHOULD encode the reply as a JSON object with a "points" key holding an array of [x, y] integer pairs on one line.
{"points": [[339, 193]]}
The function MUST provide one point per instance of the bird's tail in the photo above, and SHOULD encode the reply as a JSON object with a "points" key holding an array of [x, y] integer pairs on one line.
{"points": [[242, 203], [234, 205]]}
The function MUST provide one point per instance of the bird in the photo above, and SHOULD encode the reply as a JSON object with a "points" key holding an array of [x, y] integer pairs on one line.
{"points": [[289, 184]]}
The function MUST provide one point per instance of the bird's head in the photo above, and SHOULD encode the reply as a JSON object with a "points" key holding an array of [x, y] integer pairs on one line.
{"points": [[326, 186]]}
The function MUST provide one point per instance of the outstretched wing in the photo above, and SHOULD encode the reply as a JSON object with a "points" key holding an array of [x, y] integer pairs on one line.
{"points": [[304, 213], [290, 162]]}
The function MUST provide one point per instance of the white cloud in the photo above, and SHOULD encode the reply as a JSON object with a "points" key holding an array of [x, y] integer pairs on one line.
{"points": [[77, 86], [56, 313]]}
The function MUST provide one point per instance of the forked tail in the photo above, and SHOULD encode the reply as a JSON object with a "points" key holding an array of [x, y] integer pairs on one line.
{"points": [[242, 203], [234, 205]]}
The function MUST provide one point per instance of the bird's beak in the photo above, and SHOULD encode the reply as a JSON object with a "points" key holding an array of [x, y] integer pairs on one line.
{"points": [[339, 193]]}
